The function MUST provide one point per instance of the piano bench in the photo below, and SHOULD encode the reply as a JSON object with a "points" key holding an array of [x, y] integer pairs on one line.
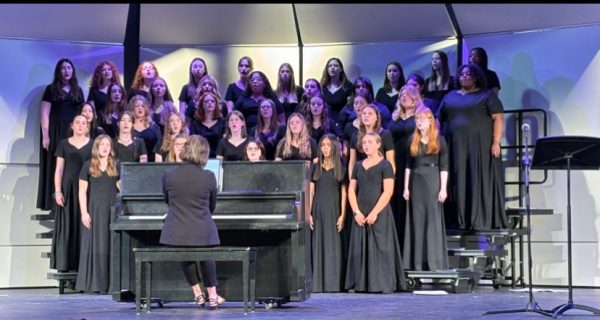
{"points": [[145, 256]]}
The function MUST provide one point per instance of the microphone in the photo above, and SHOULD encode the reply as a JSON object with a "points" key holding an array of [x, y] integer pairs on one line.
{"points": [[526, 128]]}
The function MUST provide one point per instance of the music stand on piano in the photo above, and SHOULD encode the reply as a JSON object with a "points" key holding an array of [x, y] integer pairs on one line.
{"points": [[568, 153]]}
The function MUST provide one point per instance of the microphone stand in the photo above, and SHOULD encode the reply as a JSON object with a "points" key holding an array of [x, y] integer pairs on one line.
{"points": [[532, 305]]}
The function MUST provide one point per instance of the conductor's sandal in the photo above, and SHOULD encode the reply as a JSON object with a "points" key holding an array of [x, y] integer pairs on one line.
{"points": [[200, 300], [214, 303]]}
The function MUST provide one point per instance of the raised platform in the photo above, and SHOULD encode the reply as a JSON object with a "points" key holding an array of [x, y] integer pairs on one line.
{"points": [[65, 279], [460, 280]]}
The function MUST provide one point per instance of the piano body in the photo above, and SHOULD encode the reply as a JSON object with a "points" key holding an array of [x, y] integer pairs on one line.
{"points": [[260, 204]]}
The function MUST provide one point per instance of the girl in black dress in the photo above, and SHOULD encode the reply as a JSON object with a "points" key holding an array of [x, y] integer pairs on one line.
{"points": [[258, 89], [287, 92], [236, 89], [208, 121], [232, 146], [142, 81], [479, 57], [297, 143], [374, 259], [115, 105], [360, 100], [105, 74], [145, 128], [60, 104], [71, 153], [425, 184], [129, 148], [472, 120], [208, 84], [187, 97], [312, 87], [98, 183], [441, 81], [175, 126], [87, 110], [335, 86], [268, 130], [401, 128], [318, 120], [162, 103], [370, 121], [394, 80], [328, 214]]}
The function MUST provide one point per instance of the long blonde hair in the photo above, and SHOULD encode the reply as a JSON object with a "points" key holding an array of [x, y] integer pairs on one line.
{"points": [[433, 144], [290, 87], [168, 136], [111, 167], [414, 94], [302, 138]]}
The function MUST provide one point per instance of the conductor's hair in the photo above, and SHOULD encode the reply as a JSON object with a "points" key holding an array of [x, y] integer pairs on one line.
{"points": [[195, 150]]}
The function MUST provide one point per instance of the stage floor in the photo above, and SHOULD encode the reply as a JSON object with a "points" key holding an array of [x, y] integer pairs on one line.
{"points": [[48, 304]]}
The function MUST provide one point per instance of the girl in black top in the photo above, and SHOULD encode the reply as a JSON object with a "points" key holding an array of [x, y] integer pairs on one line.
{"points": [[232, 146], [236, 89], [208, 121], [297, 144], [287, 92], [105, 74], [268, 130], [142, 81], [128, 148], [187, 97]]}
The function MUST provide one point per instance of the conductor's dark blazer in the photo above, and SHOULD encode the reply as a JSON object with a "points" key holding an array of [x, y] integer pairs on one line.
{"points": [[191, 193]]}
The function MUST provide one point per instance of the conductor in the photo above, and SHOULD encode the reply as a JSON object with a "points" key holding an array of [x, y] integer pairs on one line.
{"points": [[191, 193]]}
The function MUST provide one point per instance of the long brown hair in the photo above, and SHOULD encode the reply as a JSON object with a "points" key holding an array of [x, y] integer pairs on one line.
{"points": [[338, 171], [433, 144], [111, 167], [96, 80]]}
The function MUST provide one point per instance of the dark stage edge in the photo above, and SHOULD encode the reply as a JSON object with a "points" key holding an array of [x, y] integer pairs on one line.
{"points": [[48, 304]]}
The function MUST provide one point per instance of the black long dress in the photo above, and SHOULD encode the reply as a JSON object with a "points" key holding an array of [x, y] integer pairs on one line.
{"points": [[401, 130], [475, 178], [425, 245], [94, 258], [61, 115], [326, 240], [374, 259], [67, 225]]}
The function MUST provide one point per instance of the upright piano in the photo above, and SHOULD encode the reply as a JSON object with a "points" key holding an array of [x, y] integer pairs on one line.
{"points": [[260, 204]]}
